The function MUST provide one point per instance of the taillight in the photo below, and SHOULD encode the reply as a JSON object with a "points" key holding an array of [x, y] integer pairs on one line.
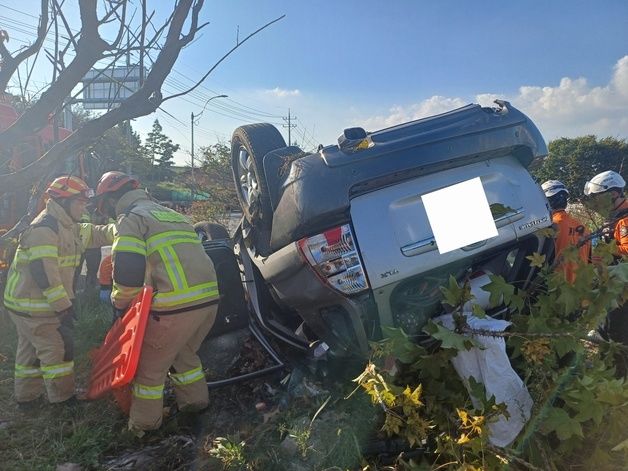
{"points": [[334, 257]]}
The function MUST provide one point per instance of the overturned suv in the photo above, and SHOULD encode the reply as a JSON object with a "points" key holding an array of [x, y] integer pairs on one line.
{"points": [[336, 244]]}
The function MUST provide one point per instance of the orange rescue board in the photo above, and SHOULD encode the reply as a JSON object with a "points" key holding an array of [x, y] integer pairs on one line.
{"points": [[114, 364]]}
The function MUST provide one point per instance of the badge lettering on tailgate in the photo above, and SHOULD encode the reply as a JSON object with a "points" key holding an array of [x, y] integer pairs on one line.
{"points": [[388, 273], [533, 223]]}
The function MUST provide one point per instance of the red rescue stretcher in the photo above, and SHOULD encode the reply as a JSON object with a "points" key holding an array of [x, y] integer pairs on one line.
{"points": [[114, 363]]}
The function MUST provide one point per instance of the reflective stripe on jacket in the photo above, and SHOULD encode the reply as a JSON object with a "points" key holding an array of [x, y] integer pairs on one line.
{"points": [[159, 247], [41, 277]]}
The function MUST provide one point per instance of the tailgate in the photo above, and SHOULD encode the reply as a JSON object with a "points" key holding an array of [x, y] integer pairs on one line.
{"points": [[394, 235]]}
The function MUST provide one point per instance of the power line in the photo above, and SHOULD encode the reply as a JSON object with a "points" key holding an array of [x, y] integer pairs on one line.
{"points": [[238, 110], [233, 109]]}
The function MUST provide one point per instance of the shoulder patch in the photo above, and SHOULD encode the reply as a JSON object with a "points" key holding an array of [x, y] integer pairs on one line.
{"points": [[166, 215], [623, 231]]}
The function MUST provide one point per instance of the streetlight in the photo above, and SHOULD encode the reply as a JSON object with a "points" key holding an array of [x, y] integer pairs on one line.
{"points": [[192, 117]]}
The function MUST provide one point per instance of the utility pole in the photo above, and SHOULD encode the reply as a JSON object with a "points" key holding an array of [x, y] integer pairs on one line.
{"points": [[192, 150], [289, 120]]}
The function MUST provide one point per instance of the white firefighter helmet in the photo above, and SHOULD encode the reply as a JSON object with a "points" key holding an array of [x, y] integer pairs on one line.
{"points": [[553, 187], [603, 182]]}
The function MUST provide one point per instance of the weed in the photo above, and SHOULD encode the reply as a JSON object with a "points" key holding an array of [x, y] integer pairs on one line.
{"points": [[53, 434], [229, 451]]}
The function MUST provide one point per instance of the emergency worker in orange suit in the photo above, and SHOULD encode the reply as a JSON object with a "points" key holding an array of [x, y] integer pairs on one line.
{"points": [[569, 231], [606, 192], [606, 189], [157, 246], [39, 292]]}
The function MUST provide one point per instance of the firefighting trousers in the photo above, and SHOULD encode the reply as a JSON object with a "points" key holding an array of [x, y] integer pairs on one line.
{"points": [[44, 359], [170, 348]]}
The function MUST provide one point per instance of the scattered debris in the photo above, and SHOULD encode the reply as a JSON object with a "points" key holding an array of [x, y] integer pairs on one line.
{"points": [[168, 453]]}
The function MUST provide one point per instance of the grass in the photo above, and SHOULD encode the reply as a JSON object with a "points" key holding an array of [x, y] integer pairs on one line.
{"points": [[51, 435], [94, 431]]}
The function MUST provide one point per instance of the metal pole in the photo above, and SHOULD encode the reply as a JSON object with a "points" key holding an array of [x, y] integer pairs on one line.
{"points": [[192, 152], [192, 125]]}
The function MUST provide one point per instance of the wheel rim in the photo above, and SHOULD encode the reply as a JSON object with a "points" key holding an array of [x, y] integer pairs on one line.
{"points": [[249, 187]]}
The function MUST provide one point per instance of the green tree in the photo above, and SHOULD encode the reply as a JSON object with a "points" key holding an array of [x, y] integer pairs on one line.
{"points": [[575, 160], [119, 148], [166, 160], [159, 150], [215, 179]]}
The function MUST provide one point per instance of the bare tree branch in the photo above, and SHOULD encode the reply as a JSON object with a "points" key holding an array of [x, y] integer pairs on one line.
{"points": [[10, 63], [90, 49], [120, 35], [223, 58], [71, 36], [113, 11], [143, 102]]}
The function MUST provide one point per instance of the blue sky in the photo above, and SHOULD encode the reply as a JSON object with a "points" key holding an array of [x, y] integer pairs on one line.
{"points": [[372, 63]]}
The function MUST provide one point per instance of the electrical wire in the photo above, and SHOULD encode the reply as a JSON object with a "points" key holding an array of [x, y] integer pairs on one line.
{"points": [[228, 107]]}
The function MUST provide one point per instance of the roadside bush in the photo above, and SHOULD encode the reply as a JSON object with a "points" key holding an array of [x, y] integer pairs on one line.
{"points": [[580, 398]]}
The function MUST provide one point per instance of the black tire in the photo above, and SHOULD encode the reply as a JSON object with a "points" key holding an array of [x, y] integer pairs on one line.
{"points": [[256, 140], [211, 231]]}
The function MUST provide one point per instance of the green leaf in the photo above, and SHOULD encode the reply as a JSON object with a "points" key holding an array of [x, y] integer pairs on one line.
{"points": [[448, 338], [536, 260], [499, 289], [558, 421], [547, 232], [478, 311], [569, 298], [564, 345], [400, 346], [612, 392], [619, 271], [455, 295]]}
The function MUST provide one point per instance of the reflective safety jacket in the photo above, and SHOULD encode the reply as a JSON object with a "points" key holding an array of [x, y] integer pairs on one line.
{"points": [[569, 232], [157, 246], [41, 277], [621, 228]]}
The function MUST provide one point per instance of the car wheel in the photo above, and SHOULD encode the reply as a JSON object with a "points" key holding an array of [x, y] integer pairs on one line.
{"points": [[249, 145], [210, 231]]}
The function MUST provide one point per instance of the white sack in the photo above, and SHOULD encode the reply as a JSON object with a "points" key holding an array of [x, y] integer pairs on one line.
{"points": [[490, 366]]}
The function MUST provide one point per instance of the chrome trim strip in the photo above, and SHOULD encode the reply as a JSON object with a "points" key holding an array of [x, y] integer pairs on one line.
{"points": [[429, 244]]}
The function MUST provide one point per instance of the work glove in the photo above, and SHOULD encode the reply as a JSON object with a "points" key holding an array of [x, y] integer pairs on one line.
{"points": [[607, 233]]}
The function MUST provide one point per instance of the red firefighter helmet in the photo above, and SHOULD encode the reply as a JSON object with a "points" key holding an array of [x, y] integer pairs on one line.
{"points": [[113, 181], [68, 186]]}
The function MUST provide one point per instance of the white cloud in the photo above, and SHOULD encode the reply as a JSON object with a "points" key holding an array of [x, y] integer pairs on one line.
{"points": [[571, 108], [401, 114], [282, 93]]}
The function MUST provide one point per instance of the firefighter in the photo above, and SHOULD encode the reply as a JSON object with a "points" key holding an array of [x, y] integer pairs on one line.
{"points": [[157, 246], [39, 292], [569, 231], [606, 191]]}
